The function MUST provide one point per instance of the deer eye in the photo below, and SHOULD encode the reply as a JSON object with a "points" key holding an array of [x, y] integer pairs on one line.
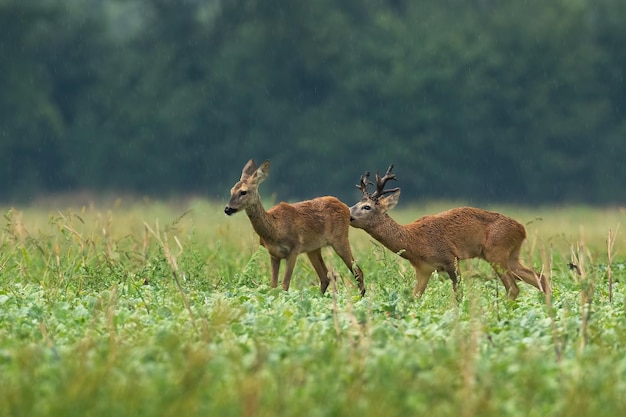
{"points": [[367, 207], [243, 192]]}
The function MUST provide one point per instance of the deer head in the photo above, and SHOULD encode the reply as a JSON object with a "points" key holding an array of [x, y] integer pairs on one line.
{"points": [[244, 192], [374, 204]]}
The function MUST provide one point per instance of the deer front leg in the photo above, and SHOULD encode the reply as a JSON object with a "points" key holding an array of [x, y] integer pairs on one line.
{"points": [[290, 262], [422, 276], [275, 264]]}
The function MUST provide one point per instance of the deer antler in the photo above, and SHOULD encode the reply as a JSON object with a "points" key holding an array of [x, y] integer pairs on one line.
{"points": [[380, 184], [365, 181]]}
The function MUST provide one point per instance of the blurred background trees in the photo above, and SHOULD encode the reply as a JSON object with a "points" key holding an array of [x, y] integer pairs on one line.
{"points": [[481, 100]]}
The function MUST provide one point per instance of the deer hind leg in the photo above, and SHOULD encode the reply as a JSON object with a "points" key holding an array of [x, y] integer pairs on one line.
{"points": [[499, 261], [451, 270], [526, 274], [499, 252], [454, 278], [315, 256], [507, 277], [344, 252], [290, 265]]}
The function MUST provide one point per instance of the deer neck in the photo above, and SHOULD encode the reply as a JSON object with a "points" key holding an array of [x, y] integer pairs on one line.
{"points": [[390, 233], [261, 221]]}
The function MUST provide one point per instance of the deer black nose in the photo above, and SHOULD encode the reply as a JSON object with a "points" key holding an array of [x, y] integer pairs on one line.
{"points": [[229, 210]]}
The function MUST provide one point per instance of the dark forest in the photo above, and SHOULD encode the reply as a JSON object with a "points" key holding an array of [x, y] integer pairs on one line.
{"points": [[484, 100]]}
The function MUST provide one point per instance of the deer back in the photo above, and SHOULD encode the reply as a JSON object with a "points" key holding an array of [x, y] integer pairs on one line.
{"points": [[312, 223], [463, 232]]}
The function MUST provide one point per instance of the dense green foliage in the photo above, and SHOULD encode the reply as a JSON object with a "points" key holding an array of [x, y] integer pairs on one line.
{"points": [[490, 100], [153, 310]]}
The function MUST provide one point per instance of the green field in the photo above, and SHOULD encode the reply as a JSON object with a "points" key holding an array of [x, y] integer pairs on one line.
{"points": [[147, 308]]}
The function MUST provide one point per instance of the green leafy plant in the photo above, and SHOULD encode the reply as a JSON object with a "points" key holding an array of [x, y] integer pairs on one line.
{"points": [[147, 320]]}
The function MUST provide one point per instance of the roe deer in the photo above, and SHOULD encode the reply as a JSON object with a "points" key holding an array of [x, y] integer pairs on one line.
{"points": [[438, 242], [287, 230]]}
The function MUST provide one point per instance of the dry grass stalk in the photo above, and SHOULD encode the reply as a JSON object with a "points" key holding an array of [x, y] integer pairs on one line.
{"points": [[585, 283], [610, 249], [171, 261]]}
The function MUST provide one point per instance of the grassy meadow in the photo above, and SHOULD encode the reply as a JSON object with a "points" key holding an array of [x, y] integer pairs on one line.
{"points": [[149, 308]]}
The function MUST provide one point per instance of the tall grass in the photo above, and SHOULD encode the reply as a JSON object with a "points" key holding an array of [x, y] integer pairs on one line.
{"points": [[162, 309]]}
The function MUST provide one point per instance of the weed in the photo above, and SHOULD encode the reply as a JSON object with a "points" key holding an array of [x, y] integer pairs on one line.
{"points": [[106, 312]]}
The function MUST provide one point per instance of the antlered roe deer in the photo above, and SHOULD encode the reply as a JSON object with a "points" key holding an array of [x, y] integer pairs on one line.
{"points": [[286, 230], [438, 242]]}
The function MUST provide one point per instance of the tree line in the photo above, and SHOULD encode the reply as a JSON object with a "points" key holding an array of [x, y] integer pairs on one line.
{"points": [[483, 100]]}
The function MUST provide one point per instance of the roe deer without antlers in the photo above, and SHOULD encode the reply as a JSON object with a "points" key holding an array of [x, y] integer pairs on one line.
{"points": [[286, 230], [438, 242]]}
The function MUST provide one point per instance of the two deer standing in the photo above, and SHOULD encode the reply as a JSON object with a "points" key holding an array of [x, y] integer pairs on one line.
{"points": [[431, 243]]}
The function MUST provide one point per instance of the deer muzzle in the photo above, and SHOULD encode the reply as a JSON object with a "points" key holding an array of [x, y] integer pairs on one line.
{"points": [[229, 210]]}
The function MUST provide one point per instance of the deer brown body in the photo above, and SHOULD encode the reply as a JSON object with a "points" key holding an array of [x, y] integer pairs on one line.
{"points": [[437, 242], [286, 230]]}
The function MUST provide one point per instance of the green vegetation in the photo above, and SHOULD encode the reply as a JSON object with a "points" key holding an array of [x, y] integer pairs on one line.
{"points": [[492, 100], [149, 309]]}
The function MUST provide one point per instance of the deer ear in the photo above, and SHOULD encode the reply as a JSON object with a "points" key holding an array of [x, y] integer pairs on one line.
{"points": [[248, 169], [262, 172], [389, 201]]}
